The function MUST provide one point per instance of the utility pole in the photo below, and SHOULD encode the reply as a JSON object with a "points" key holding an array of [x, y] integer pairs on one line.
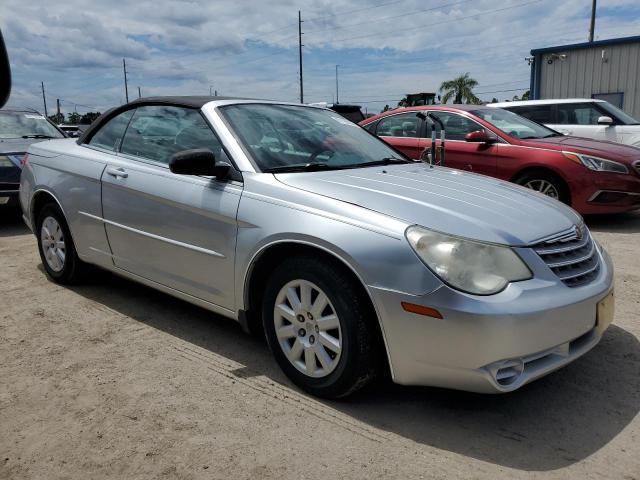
{"points": [[300, 54], [210, 90], [139, 92], [337, 97], [44, 100], [57, 109], [126, 87], [592, 26]]}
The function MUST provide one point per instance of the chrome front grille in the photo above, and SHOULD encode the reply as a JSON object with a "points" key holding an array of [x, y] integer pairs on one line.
{"points": [[572, 257]]}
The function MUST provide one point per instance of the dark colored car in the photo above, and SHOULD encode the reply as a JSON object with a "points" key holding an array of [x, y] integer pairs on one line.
{"points": [[18, 130], [590, 175]]}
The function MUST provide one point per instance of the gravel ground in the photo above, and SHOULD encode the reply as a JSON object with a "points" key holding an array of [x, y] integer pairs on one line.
{"points": [[114, 380]]}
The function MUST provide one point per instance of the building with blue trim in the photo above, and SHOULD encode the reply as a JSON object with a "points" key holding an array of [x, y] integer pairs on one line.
{"points": [[606, 69]]}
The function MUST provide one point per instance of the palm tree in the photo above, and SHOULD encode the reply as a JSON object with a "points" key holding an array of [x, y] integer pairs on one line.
{"points": [[460, 89]]}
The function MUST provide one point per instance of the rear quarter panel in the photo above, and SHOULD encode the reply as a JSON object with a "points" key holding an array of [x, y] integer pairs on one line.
{"points": [[71, 174]]}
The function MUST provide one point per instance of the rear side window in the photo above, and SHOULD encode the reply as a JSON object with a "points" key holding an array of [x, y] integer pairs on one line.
{"points": [[578, 114], [110, 134], [537, 113], [402, 125], [157, 132]]}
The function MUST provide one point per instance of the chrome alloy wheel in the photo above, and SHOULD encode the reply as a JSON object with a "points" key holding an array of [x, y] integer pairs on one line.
{"points": [[308, 328], [53, 245], [544, 187]]}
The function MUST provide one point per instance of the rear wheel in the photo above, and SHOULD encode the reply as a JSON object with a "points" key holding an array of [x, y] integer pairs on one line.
{"points": [[319, 327], [57, 251], [546, 183]]}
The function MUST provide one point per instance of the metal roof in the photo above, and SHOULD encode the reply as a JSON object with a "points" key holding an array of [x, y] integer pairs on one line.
{"points": [[578, 46], [553, 101]]}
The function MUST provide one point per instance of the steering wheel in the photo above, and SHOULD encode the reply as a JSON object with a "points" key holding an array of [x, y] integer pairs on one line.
{"points": [[316, 153]]}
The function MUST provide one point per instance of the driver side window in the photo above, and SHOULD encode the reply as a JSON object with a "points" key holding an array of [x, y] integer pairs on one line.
{"points": [[455, 126], [157, 132]]}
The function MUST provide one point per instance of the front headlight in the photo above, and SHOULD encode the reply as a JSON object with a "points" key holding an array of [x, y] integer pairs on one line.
{"points": [[467, 265], [595, 163]]}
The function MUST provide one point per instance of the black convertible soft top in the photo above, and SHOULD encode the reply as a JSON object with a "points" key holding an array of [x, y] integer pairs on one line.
{"points": [[178, 101]]}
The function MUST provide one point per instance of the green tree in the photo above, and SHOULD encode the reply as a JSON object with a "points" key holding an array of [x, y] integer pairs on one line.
{"points": [[57, 118], [89, 117], [74, 118], [460, 89]]}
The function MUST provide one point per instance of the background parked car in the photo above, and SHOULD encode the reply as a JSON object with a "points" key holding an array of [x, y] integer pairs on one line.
{"points": [[18, 130], [71, 130], [348, 111], [580, 117], [590, 175]]}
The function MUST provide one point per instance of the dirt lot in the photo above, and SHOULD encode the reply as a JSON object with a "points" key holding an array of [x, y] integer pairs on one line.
{"points": [[114, 380]]}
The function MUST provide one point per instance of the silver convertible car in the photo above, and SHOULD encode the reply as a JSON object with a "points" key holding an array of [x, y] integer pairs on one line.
{"points": [[351, 259]]}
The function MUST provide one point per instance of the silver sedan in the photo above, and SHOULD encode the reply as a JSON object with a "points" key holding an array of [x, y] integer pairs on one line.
{"points": [[351, 259]]}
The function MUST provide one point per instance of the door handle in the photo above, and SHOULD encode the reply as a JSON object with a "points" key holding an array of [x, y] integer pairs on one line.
{"points": [[117, 172], [469, 167]]}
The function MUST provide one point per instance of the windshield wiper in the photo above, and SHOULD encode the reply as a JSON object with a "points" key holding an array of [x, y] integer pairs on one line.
{"points": [[307, 167], [382, 161], [37, 135]]}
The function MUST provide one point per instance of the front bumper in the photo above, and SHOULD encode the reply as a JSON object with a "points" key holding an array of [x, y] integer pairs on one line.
{"points": [[601, 192], [531, 328]]}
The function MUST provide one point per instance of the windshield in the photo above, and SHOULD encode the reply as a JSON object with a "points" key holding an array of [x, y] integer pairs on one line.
{"points": [[619, 114], [26, 125], [292, 138], [514, 125]]}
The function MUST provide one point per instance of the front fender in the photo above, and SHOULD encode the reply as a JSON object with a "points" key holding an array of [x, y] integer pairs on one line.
{"points": [[372, 245]]}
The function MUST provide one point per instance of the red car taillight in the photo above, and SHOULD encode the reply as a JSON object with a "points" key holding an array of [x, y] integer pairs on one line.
{"points": [[24, 160]]}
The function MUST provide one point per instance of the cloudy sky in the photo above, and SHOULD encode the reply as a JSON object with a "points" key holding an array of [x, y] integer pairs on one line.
{"points": [[249, 48]]}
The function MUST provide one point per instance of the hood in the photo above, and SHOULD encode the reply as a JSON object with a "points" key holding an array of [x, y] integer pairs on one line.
{"points": [[588, 146], [446, 200]]}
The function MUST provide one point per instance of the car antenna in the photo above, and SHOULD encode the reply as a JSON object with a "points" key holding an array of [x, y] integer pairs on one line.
{"points": [[433, 120]]}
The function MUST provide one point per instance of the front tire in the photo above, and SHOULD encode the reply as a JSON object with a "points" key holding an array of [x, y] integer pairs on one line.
{"points": [[57, 251], [319, 327], [546, 183]]}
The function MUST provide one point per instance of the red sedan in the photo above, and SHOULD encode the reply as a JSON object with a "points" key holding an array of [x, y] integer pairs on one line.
{"points": [[590, 175]]}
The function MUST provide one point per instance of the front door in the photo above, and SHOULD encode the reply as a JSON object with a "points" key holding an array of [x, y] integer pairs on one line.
{"points": [[470, 156], [176, 230]]}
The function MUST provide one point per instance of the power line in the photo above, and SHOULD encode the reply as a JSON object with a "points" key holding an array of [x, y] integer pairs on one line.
{"points": [[487, 12], [316, 19], [368, 22]]}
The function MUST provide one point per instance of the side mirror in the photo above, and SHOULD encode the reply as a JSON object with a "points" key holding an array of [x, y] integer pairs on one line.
{"points": [[479, 136], [198, 161], [604, 120]]}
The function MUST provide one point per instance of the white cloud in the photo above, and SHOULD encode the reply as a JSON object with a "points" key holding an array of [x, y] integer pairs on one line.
{"points": [[249, 48]]}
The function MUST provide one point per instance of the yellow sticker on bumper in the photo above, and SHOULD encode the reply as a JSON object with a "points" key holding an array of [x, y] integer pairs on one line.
{"points": [[604, 315]]}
